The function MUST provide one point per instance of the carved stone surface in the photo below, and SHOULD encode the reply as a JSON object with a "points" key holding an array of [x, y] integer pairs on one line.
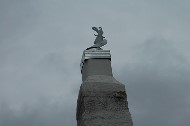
{"points": [[94, 53], [102, 101]]}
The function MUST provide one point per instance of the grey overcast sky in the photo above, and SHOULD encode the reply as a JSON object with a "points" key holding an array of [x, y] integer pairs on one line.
{"points": [[41, 43]]}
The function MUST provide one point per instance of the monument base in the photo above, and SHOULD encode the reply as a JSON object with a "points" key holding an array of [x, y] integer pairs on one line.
{"points": [[102, 101]]}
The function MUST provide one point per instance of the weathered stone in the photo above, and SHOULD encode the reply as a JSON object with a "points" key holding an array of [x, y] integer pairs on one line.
{"points": [[102, 100]]}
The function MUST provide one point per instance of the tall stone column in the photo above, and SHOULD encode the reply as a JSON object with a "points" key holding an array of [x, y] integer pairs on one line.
{"points": [[102, 100]]}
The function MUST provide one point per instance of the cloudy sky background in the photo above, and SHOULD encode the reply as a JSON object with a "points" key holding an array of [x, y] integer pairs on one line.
{"points": [[41, 43]]}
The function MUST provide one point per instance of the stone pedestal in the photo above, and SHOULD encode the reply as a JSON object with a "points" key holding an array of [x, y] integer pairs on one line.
{"points": [[102, 100]]}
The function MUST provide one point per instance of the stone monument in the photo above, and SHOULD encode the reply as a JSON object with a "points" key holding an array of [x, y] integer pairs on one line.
{"points": [[102, 100]]}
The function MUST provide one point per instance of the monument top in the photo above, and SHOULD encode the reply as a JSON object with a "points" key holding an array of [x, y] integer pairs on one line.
{"points": [[99, 41], [95, 52]]}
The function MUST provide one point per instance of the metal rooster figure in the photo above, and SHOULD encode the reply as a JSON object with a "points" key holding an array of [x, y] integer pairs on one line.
{"points": [[99, 41]]}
